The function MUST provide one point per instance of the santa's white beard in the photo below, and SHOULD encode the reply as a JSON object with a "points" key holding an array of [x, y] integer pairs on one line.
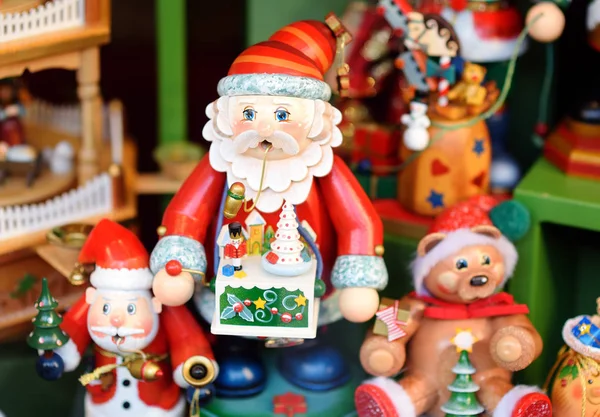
{"points": [[286, 179], [128, 344]]}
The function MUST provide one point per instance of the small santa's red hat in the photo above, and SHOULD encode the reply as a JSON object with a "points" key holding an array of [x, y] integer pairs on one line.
{"points": [[510, 217], [121, 259], [290, 63]]}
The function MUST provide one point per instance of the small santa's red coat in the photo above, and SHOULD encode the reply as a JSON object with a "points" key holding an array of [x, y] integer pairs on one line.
{"points": [[235, 252], [179, 336], [337, 209]]}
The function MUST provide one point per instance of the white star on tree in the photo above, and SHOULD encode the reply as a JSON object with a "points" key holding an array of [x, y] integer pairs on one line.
{"points": [[464, 340]]}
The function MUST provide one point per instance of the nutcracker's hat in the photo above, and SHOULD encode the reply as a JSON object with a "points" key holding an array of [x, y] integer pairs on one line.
{"points": [[456, 224], [235, 230], [121, 259], [290, 63]]}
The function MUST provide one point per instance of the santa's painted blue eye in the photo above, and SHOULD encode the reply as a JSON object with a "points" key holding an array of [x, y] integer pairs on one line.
{"points": [[249, 114], [131, 309], [106, 308], [281, 115], [461, 264]]}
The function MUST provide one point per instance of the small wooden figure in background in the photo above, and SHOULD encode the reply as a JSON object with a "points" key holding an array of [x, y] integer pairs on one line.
{"points": [[469, 90], [460, 265], [236, 249], [574, 381], [144, 352], [11, 127]]}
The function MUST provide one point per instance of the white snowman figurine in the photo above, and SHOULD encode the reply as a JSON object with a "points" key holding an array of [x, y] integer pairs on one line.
{"points": [[416, 136]]}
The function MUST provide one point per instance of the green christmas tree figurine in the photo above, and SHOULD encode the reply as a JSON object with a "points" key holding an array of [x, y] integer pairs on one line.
{"points": [[47, 335], [463, 401]]}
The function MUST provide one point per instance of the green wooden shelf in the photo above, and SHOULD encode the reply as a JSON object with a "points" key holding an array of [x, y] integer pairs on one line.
{"points": [[556, 275]]}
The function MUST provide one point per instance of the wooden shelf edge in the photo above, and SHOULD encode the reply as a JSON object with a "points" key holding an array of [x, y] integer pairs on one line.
{"points": [[61, 259], [156, 183]]}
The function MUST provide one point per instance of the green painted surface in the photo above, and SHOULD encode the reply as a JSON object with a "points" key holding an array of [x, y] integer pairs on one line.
{"points": [[265, 17], [171, 65], [556, 275], [399, 252]]}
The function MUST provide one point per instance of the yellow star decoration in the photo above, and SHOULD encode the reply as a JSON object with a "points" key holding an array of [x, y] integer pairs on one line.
{"points": [[300, 300], [260, 303], [584, 329], [464, 340]]}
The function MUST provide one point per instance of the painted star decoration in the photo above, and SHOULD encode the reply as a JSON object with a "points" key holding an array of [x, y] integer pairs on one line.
{"points": [[436, 199], [464, 340], [478, 147], [260, 303], [300, 300]]}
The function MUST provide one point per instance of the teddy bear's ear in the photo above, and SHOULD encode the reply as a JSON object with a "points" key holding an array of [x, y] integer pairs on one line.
{"points": [[485, 230], [429, 242]]}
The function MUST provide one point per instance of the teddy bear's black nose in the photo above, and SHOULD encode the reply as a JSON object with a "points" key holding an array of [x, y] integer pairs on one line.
{"points": [[479, 280]]}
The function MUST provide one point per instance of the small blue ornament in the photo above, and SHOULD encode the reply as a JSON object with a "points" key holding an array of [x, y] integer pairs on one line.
{"points": [[50, 366], [228, 270], [587, 333], [305, 255], [364, 167]]}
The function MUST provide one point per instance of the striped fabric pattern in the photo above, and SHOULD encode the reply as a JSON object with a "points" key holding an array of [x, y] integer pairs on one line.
{"points": [[389, 316]]}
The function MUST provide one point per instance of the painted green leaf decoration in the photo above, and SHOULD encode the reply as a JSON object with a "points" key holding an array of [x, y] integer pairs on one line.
{"points": [[232, 299], [565, 372], [246, 314], [227, 313], [574, 372]]}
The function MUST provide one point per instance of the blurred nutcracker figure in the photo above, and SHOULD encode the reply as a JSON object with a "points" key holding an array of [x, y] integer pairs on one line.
{"points": [[11, 111], [488, 32], [140, 348], [273, 116]]}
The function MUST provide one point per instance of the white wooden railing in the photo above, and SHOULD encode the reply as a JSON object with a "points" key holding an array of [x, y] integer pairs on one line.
{"points": [[92, 199], [61, 118], [50, 17]]}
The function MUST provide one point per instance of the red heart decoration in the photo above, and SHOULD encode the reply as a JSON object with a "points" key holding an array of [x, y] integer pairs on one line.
{"points": [[438, 168]]}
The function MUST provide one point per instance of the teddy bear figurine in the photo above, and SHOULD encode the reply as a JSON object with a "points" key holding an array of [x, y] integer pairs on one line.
{"points": [[459, 268]]}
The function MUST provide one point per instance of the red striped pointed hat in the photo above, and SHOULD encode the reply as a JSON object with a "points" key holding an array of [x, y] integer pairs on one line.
{"points": [[290, 63], [121, 259]]}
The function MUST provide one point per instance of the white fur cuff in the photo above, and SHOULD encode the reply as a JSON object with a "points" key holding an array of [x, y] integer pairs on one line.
{"points": [[70, 355], [507, 404], [402, 402]]}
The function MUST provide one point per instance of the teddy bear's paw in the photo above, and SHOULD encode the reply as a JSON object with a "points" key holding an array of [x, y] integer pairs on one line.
{"points": [[379, 357], [513, 348]]}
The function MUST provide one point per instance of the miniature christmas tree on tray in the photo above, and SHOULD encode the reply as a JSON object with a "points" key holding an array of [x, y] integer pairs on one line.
{"points": [[285, 257], [463, 401], [47, 335]]}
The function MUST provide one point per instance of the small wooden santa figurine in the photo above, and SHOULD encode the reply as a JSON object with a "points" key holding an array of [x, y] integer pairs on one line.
{"points": [[236, 249], [143, 353]]}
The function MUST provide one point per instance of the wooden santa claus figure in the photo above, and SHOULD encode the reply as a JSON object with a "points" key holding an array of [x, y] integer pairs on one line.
{"points": [[273, 130], [140, 348]]}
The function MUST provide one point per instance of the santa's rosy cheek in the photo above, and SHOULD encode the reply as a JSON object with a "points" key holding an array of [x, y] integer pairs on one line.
{"points": [[144, 324]]}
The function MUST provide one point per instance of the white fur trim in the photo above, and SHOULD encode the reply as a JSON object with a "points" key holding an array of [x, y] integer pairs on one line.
{"points": [[453, 243], [574, 343], [121, 279], [274, 85], [70, 355], [472, 46], [402, 402], [507, 404]]}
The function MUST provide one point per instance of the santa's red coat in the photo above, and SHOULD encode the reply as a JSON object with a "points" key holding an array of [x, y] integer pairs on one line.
{"points": [[337, 209], [179, 336]]}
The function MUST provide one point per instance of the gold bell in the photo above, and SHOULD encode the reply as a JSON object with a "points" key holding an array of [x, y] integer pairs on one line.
{"points": [[144, 370], [234, 200], [78, 275], [198, 371]]}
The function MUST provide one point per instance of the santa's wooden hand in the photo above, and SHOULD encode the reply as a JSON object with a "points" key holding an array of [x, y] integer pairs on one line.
{"points": [[513, 348], [358, 304], [379, 357], [172, 285]]}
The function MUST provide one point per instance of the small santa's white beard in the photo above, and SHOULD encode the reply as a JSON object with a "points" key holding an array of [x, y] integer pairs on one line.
{"points": [[286, 179]]}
